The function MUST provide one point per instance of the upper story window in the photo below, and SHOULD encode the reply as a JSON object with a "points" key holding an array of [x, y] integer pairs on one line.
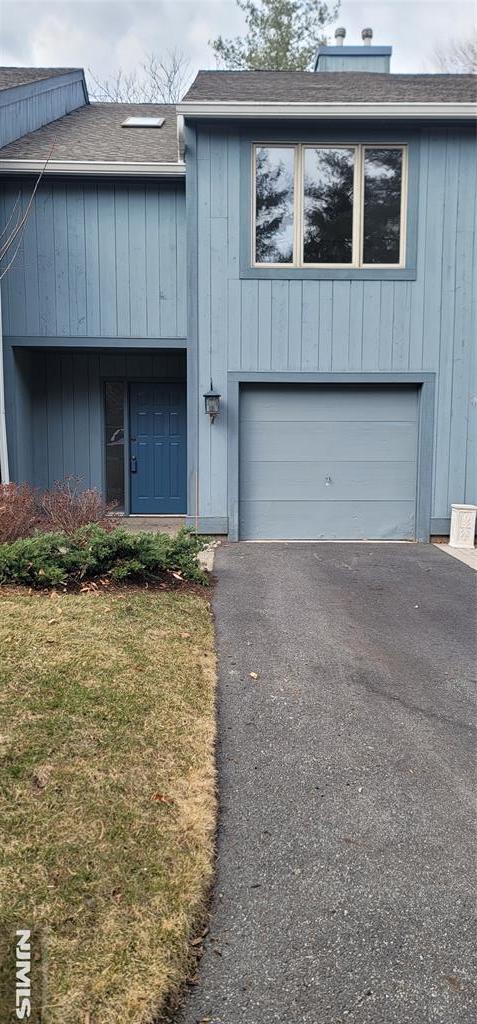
{"points": [[329, 205]]}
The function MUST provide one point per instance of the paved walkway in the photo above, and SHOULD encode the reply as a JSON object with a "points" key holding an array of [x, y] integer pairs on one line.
{"points": [[345, 879]]}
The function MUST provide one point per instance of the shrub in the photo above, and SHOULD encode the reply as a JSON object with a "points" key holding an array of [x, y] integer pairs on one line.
{"points": [[18, 511], [61, 559], [25, 510], [66, 507]]}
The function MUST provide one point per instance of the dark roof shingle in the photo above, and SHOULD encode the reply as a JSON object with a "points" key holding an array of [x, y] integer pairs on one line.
{"points": [[331, 87], [12, 77], [95, 132]]}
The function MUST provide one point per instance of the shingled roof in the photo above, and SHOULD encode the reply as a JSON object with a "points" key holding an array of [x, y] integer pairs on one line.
{"points": [[12, 77], [330, 87], [94, 132]]}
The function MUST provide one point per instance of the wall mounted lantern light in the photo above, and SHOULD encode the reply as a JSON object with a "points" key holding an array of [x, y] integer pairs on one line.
{"points": [[212, 402]]}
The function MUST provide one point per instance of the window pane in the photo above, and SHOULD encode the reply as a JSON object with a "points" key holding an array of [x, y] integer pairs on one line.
{"points": [[328, 205], [114, 440], [382, 205], [274, 185]]}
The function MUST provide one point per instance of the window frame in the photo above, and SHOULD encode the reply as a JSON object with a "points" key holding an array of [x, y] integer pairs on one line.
{"points": [[356, 264], [274, 145]]}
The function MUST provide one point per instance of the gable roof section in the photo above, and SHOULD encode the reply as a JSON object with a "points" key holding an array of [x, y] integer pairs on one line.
{"points": [[334, 87], [92, 139], [10, 78]]}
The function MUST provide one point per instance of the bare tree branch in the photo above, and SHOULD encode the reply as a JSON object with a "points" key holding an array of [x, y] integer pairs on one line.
{"points": [[161, 80], [9, 221], [459, 56], [19, 228]]}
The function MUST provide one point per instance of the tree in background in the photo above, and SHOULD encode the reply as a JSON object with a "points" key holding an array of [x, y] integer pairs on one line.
{"points": [[282, 35], [161, 80], [459, 56]]}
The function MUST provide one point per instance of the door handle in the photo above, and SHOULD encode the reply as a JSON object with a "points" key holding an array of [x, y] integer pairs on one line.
{"points": [[133, 464]]}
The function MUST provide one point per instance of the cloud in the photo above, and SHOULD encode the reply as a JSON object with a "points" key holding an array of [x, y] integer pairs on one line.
{"points": [[107, 34]]}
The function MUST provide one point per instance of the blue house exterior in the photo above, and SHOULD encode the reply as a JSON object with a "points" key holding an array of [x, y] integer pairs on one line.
{"points": [[147, 269]]}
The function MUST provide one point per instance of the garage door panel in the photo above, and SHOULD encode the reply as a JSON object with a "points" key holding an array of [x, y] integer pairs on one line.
{"points": [[277, 403], [336, 462], [314, 520], [295, 441], [330, 481]]}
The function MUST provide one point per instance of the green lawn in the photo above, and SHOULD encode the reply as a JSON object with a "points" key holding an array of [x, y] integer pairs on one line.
{"points": [[107, 797]]}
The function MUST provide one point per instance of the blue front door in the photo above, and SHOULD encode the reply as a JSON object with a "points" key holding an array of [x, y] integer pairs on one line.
{"points": [[157, 433]]}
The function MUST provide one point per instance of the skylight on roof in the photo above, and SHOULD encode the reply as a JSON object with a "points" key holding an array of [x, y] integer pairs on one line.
{"points": [[143, 122]]}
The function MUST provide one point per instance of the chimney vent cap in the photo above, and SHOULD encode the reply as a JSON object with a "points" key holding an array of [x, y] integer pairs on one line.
{"points": [[366, 36], [340, 32]]}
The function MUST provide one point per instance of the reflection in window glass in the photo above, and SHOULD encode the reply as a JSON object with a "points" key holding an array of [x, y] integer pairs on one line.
{"points": [[114, 440], [328, 205], [382, 205], [274, 184]]}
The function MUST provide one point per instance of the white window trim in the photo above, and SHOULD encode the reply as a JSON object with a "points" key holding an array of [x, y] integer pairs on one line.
{"points": [[358, 206]]}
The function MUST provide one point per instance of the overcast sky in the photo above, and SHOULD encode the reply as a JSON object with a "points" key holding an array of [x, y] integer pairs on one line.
{"points": [[107, 34]]}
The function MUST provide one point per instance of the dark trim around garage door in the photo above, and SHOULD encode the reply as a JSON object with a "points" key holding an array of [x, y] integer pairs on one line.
{"points": [[426, 384]]}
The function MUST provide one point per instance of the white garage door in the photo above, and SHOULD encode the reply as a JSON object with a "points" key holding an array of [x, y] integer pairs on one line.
{"points": [[336, 462]]}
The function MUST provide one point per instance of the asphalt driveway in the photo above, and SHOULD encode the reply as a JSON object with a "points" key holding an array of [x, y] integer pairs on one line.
{"points": [[346, 861]]}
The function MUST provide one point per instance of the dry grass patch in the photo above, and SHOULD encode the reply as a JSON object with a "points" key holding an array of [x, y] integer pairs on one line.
{"points": [[107, 803]]}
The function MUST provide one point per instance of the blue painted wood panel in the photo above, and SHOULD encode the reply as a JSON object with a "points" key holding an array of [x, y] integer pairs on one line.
{"points": [[328, 462], [28, 107], [334, 325], [98, 259], [354, 62], [158, 448], [59, 411]]}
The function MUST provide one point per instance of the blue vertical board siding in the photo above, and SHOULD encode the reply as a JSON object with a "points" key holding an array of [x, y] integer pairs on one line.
{"points": [[377, 325], [76, 261], [152, 263], [59, 408], [69, 422], [310, 327], [249, 313], [124, 295], [98, 259], [180, 264], [167, 263], [326, 310], [371, 325], [13, 284], [446, 355], [61, 244], [45, 261], [341, 325], [108, 273], [23, 448], [351, 62], [400, 334], [355, 345], [107, 259], [93, 281], [25, 108], [279, 325], [295, 326], [234, 324], [464, 337], [264, 325], [137, 261]]}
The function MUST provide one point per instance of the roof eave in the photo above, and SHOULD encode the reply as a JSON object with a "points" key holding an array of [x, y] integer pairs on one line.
{"points": [[259, 109], [94, 167]]}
